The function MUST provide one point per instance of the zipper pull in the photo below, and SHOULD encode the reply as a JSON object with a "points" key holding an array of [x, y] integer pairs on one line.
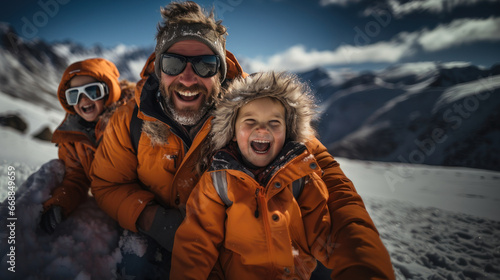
{"points": [[257, 203]]}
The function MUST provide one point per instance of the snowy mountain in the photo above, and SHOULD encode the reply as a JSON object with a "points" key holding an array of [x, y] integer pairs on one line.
{"points": [[424, 113], [32, 70], [428, 112]]}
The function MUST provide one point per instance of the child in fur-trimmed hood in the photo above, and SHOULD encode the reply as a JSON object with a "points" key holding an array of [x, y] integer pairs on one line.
{"points": [[243, 211]]}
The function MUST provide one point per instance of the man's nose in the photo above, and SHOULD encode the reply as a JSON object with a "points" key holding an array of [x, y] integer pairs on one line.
{"points": [[188, 76]]}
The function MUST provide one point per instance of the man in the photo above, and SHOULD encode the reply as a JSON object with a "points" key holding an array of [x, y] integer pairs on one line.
{"points": [[145, 185]]}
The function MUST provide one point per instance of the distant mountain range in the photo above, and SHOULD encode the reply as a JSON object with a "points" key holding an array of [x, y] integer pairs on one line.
{"points": [[424, 113], [32, 70], [429, 112]]}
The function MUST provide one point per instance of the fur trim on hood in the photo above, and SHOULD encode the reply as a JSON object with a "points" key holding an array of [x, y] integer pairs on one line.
{"points": [[127, 89], [157, 132], [295, 96]]}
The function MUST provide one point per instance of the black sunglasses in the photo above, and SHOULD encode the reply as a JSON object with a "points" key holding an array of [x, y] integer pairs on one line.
{"points": [[204, 66]]}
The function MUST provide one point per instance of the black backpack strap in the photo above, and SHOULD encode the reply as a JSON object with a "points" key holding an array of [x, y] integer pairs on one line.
{"points": [[135, 128]]}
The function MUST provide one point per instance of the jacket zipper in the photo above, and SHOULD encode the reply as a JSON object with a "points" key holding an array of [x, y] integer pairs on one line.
{"points": [[257, 203], [261, 199]]}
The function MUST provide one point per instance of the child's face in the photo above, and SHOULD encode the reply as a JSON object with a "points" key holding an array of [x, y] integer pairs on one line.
{"points": [[87, 109], [260, 130]]}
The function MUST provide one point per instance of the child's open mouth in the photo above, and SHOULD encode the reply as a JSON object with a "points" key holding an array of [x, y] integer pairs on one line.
{"points": [[88, 108], [260, 146]]}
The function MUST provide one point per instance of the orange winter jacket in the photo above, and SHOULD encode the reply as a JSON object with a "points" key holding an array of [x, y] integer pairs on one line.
{"points": [[78, 139], [265, 232], [124, 182], [76, 149], [358, 251]]}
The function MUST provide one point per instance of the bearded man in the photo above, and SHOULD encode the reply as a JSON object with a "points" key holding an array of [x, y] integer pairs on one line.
{"points": [[143, 177]]}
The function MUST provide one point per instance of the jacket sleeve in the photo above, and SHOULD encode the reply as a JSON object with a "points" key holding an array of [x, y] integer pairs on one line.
{"points": [[358, 251], [199, 236], [74, 188], [114, 173]]}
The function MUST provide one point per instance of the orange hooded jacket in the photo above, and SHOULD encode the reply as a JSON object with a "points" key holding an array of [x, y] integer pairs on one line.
{"points": [[124, 182], [266, 233], [78, 139]]}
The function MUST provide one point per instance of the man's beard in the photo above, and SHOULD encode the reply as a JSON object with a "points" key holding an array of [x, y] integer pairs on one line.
{"points": [[188, 116]]}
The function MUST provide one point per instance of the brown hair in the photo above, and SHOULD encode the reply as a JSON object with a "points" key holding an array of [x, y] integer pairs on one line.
{"points": [[188, 21]]}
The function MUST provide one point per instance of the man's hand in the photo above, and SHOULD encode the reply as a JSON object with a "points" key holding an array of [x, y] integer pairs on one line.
{"points": [[146, 217], [51, 218], [160, 224]]}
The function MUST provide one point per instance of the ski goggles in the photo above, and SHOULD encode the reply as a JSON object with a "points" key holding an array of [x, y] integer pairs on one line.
{"points": [[94, 91], [204, 66]]}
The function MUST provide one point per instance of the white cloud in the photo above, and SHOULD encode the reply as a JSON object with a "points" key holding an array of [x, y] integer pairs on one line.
{"points": [[460, 31], [298, 58], [337, 2], [404, 44], [399, 9]]}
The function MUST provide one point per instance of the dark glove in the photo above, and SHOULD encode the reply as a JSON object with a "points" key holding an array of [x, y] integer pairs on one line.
{"points": [[51, 218], [164, 226]]}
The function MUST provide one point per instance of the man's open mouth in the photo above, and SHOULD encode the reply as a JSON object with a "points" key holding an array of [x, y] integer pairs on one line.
{"points": [[260, 146], [187, 95], [88, 108]]}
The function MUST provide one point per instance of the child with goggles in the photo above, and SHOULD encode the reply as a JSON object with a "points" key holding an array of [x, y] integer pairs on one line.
{"points": [[89, 91]]}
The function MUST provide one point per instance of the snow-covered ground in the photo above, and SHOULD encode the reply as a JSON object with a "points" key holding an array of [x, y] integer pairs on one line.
{"points": [[437, 222], [22, 148]]}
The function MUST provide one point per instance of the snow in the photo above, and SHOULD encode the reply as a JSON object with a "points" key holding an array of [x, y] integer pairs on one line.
{"points": [[83, 247], [35, 116], [475, 91], [17, 147], [456, 189], [387, 117], [436, 222]]}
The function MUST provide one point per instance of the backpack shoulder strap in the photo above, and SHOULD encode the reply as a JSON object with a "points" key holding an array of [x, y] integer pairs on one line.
{"points": [[135, 128], [220, 184]]}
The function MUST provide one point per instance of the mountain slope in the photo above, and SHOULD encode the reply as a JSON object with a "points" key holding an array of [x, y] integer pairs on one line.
{"points": [[32, 70], [427, 112], [444, 115]]}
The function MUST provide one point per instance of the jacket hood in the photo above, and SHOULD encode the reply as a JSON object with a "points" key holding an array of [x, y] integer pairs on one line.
{"points": [[101, 69], [75, 129], [295, 96]]}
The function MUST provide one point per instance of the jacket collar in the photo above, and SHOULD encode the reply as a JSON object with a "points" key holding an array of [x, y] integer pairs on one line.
{"points": [[75, 129], [230, 158]]}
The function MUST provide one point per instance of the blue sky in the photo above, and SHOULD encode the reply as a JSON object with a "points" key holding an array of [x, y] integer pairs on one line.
{"points": [[288, 34]]}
